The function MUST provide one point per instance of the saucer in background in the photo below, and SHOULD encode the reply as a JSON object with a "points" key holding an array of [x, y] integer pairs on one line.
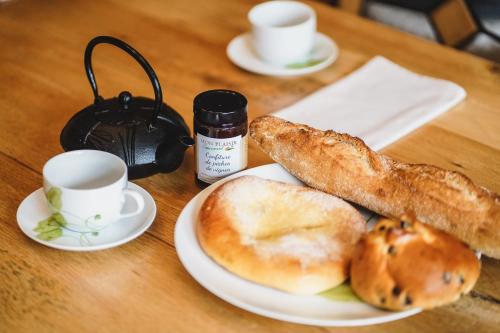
{"points": [[241, 53]]}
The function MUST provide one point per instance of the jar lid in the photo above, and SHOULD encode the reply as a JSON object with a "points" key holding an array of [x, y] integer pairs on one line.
{"points": [[220, 107]]}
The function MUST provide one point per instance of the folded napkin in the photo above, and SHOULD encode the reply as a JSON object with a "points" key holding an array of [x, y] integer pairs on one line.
{"points": [[380, 103]]}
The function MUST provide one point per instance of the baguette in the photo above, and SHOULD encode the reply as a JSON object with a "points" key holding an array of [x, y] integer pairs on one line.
{"points": [[343, 165]]}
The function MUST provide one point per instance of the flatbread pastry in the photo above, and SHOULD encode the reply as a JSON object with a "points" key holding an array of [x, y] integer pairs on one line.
{"points": [[289, 237]]}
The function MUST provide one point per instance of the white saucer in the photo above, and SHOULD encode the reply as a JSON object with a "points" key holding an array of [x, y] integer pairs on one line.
{"points": [[310, 310], [241, 53], [34, 209]]}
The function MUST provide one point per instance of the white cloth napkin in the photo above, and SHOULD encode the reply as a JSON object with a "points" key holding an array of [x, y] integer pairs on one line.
{"points": [[380, 102]]}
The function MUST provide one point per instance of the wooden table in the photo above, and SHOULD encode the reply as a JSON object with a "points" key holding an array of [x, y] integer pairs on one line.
{"points": [[141, 286]]}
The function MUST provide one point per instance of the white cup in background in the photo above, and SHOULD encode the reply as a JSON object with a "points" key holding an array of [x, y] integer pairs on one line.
{"points": [[283, 32], [88, 188]]}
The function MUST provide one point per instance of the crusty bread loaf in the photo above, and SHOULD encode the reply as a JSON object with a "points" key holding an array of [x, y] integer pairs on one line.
{"points": [[344, 166], [405, 264], [289, 237]]}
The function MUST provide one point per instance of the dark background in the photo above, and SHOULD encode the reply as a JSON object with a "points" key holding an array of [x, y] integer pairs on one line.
{"points": [[474, 24]]}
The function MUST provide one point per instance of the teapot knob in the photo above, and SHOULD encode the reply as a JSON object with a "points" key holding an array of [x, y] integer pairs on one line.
{"points": [[124, 98]]}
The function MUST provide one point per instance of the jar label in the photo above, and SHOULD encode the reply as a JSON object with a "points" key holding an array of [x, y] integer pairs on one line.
{"points": [[218, 158]]}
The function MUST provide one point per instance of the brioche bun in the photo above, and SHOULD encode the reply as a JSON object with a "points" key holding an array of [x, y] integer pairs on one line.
{"points": [[405, 264]]}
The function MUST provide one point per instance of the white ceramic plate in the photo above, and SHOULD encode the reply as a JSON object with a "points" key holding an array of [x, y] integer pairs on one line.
{"points": [[241, 53], [34, 209], [269, 302]]}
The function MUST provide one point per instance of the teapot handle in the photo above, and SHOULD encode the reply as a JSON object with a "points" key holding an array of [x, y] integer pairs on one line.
{"points": [[137, 56]]}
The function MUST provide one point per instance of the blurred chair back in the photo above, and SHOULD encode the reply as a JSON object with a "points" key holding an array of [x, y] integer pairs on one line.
{"points": [[471, 25]]}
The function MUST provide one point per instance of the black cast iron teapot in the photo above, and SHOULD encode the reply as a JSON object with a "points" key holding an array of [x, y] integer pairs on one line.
{"points": [[147, 134]]}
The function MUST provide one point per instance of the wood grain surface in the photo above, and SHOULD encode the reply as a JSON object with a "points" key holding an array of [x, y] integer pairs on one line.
{"points": [[141, 286]]}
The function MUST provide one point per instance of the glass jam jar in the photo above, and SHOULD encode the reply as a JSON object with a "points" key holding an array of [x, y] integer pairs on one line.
{"points": [[220, 127]]}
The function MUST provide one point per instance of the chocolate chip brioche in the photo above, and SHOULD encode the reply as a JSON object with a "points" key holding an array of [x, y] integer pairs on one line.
{"points": [[405, 264], [344, 166]]}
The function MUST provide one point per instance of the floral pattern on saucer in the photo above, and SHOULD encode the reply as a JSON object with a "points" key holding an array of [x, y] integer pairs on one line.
{"points": [[54, 226], [34, 212]]}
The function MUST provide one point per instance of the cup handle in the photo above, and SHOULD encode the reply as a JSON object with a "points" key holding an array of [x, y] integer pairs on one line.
{"points": [[139, 200]]}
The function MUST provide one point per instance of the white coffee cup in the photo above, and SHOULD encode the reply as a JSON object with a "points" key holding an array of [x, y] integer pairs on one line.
{"points": [[88, 188], [283, 32]]}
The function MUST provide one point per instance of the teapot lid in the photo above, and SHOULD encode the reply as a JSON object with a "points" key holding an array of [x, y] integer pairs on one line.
{"points": [[133, 128]]}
